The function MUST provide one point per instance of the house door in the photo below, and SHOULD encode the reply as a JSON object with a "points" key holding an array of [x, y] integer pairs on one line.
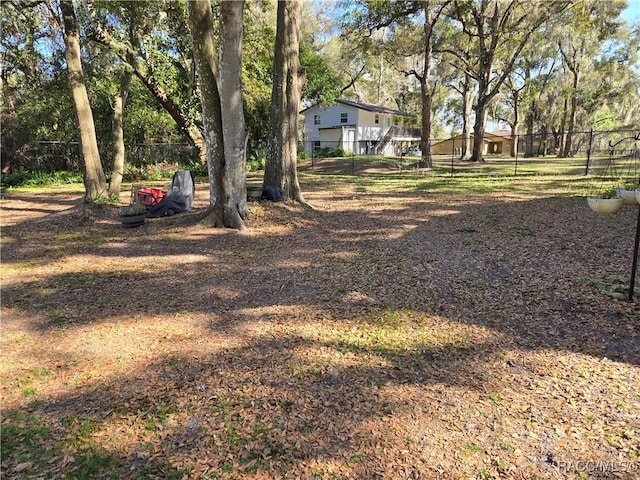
{"points": [[351, 137]]}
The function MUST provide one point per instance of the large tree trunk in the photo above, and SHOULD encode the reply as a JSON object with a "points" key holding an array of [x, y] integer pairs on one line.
{"points": [[482, 105], [94, 179], [479, 124], [514, 140], [467, 106], [119, 103], [528, 146], [234, 129], [226, 210], [529, 115], [562, 133], [478, 135], [425, 141], [514, 127], [425, 86], [572, 114], [282, 145]]}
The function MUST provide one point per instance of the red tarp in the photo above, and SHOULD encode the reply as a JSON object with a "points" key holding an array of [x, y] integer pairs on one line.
{"points": [[149, 196]]}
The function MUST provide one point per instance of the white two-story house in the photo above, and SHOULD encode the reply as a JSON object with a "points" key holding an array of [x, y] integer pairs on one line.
{"points": [[359, 128]]}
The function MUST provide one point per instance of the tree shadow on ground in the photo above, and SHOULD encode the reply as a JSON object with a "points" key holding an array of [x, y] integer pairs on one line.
{"points": [[266, 406], [517, 267], [315, 339]]}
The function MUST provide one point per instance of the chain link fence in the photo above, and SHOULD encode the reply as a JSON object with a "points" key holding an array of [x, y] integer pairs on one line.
{"points": [[607, 153], [583, 153], [52, 156]]}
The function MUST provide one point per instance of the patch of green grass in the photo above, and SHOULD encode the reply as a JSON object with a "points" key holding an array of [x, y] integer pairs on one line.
{"points": [[304, 369], [23, 437], [471, 447], [29, 178], [526, 232], [495, 175], [161, 469], [507, 446], [358, 458], [151, 424], [389, 333], [29, 391], [39, 372], [234, 437], [627, 311], [163, 411], [82, 432], [485, 474], [495, 398], [95, 462], [158, 415], [30, 376], [21, 339], [615, 286], [590, 417]]}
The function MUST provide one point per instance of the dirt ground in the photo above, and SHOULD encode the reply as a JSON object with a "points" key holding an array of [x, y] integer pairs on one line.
{"points": [[382, 335]]}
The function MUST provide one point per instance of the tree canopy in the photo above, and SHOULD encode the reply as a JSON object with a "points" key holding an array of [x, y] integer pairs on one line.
{"points": [[543, 67]]}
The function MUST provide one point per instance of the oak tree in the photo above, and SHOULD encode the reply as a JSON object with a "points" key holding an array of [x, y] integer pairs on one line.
{"points": [[282, 141], [221, 94], [94, 178], [498, 31]]}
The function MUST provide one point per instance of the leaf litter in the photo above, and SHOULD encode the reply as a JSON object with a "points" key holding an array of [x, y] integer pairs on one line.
{"points": [[412, 335]]}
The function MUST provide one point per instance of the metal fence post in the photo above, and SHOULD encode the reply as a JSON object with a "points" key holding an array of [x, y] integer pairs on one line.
{"points": [[586, 169], [515, 170], [634, 264]]}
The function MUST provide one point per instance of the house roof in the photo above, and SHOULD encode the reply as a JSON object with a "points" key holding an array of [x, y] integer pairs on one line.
{"points": [[500, 133], [374, 108], [368, 107]]}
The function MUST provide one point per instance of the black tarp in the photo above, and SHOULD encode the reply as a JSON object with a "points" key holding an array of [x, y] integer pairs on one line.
{"points": [[179, 197], [272, 193]]}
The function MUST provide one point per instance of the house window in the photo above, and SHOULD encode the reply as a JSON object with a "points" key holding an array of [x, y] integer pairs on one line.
{"points": [[377, 119], [316, 146], [344, 118], [316, 119]]}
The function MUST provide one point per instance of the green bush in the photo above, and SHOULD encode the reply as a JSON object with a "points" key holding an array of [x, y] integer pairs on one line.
{"points": [[257, 160], [152, 172], [331, 152], [30, 178], [163, 170], [194, 165]]}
